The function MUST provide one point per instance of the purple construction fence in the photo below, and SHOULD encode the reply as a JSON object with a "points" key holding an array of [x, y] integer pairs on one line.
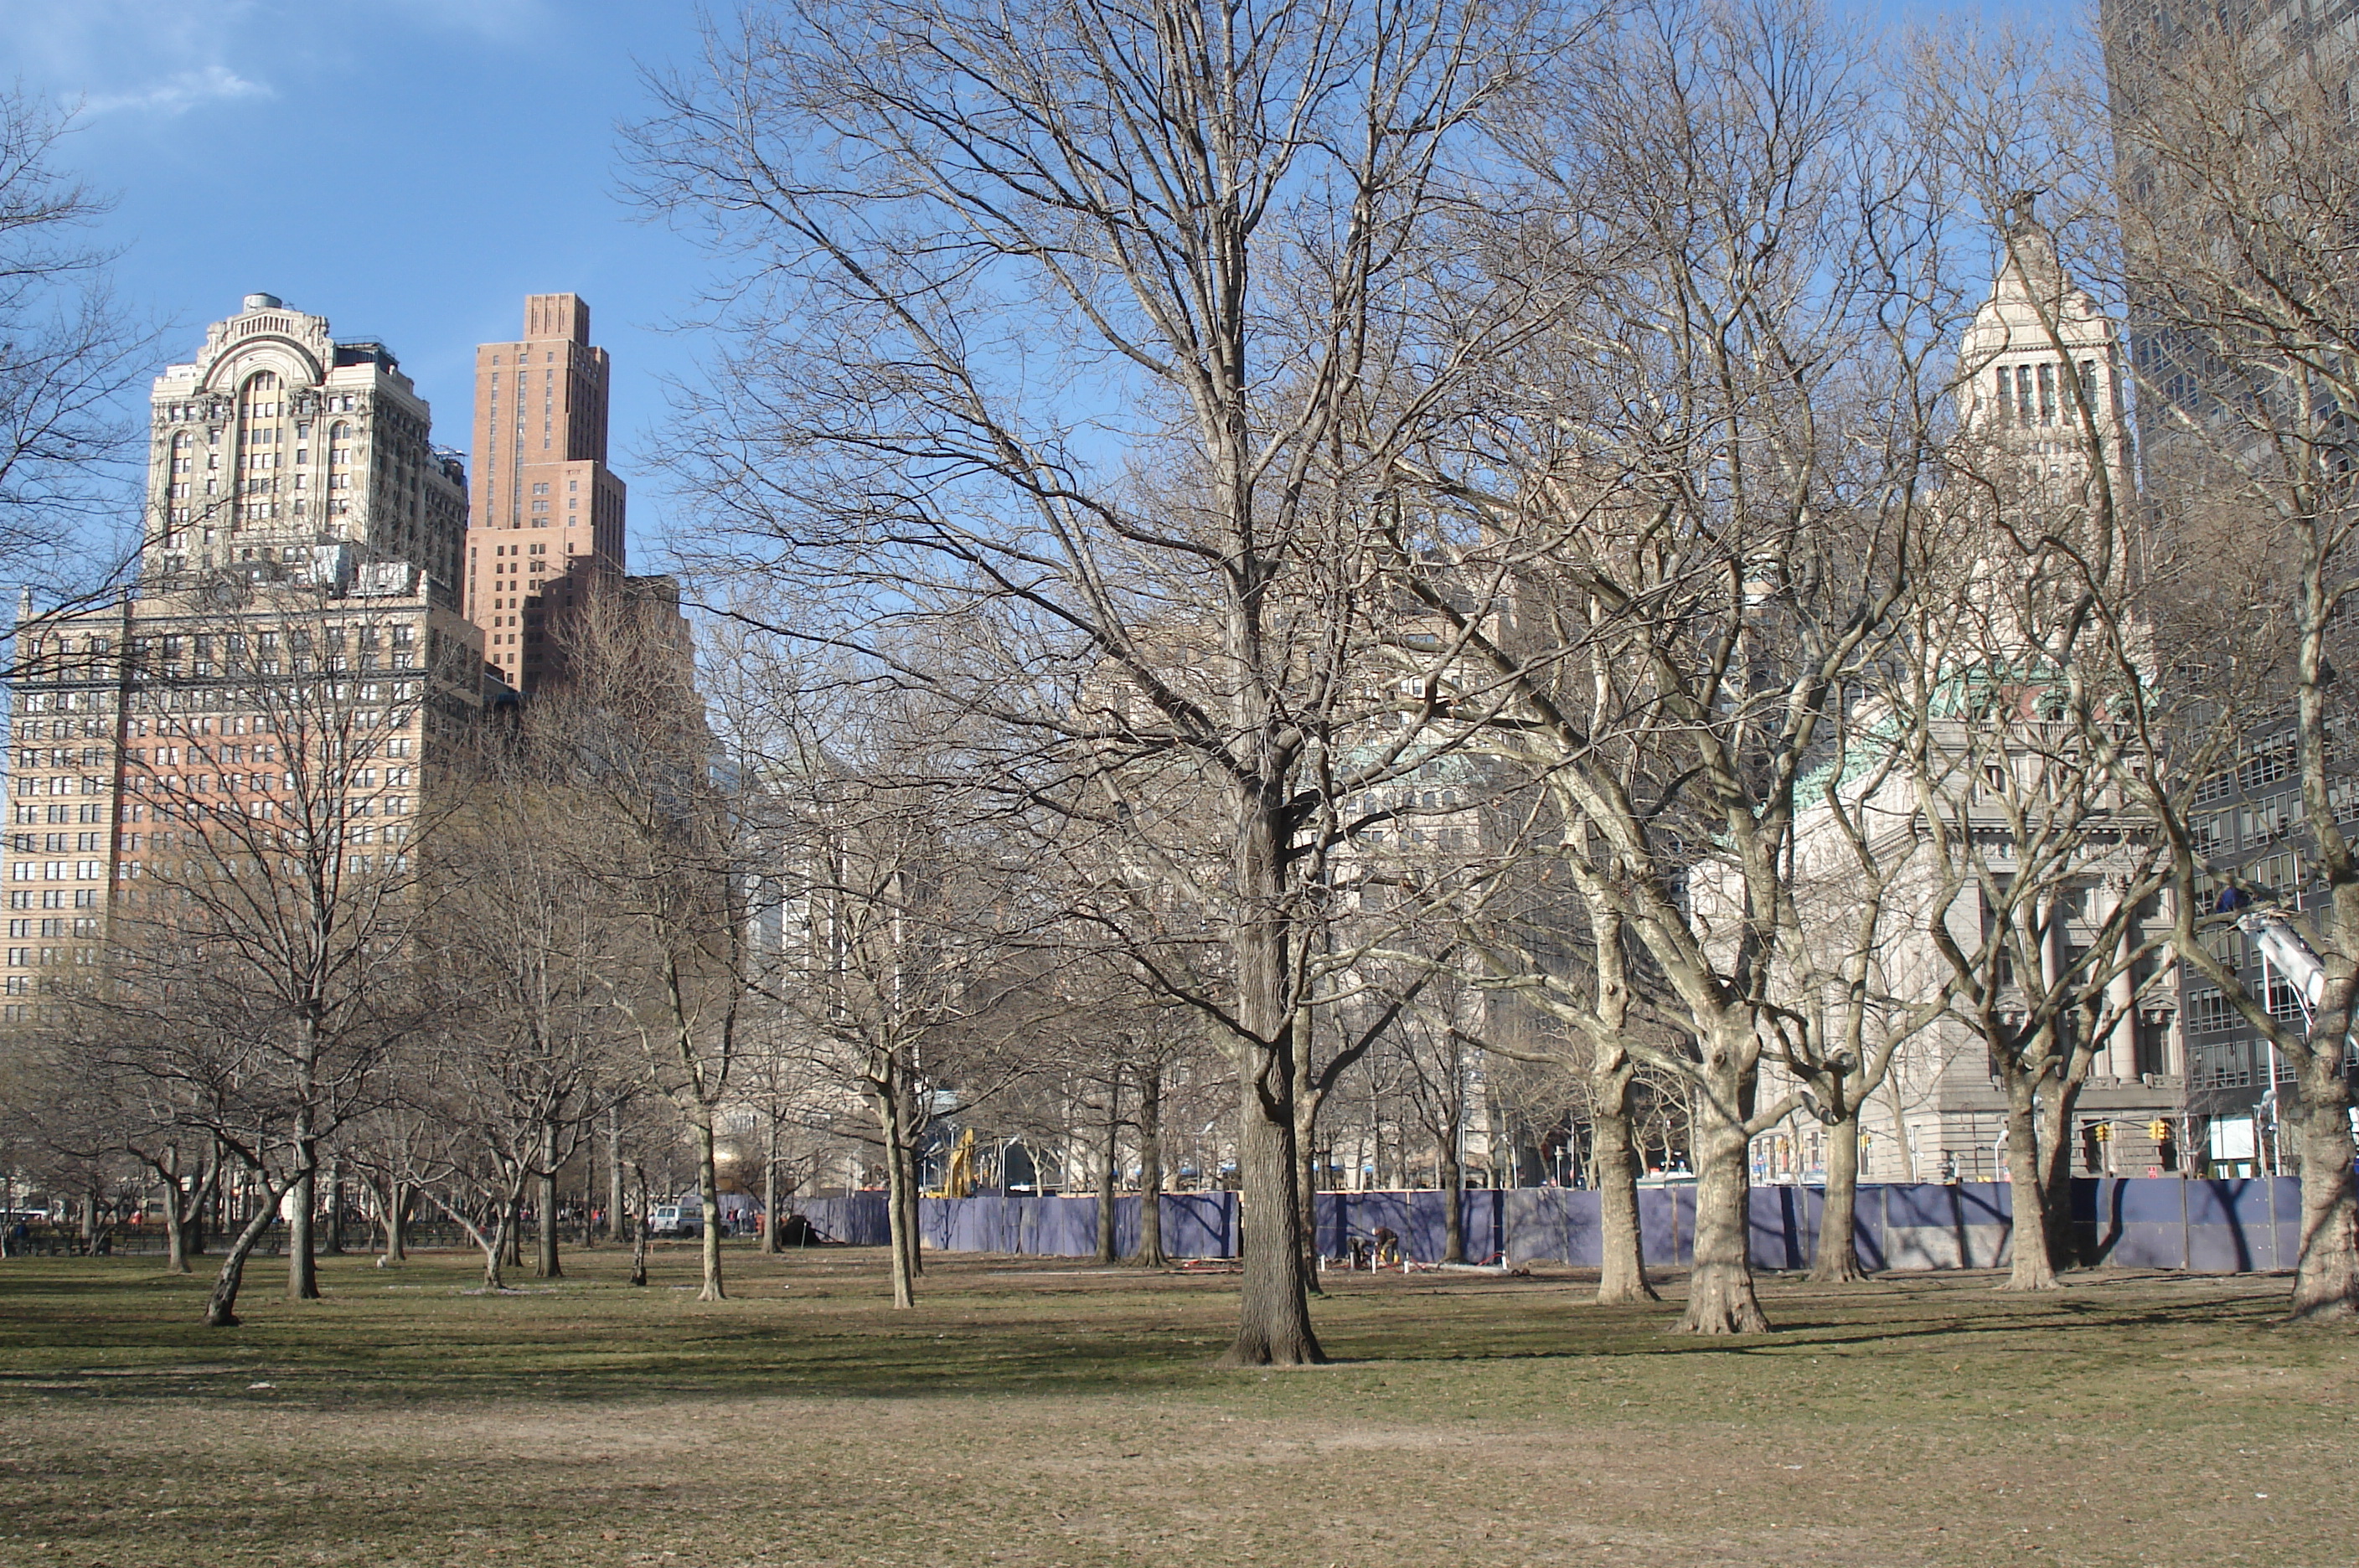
{"points": [[1195, 1225], [2215, 1228]]}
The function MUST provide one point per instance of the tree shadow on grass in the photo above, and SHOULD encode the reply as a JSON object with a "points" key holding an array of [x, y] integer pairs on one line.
{"points": [[102, 1330]]}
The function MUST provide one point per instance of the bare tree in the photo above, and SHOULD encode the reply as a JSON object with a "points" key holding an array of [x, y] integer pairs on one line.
{"points": [[262, 961], [902, 960], [1701, 572], [66, 354], [661, 841], [523, 947], [963, 225], [2239, 161]]}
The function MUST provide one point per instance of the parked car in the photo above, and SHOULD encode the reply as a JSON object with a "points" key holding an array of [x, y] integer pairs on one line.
{"points": [[677, 1219]]}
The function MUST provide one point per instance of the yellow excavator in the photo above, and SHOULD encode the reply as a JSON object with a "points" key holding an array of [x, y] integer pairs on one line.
{"points": [[958, 1176]]}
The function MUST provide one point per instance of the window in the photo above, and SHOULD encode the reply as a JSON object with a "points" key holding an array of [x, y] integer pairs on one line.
{"points": [[2285, 1003], [2269, 761], [2267, 820], [2047, 394], [2023, 393]]}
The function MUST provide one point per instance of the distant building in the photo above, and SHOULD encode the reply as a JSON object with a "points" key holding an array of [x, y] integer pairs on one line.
{"points": [[547, 523], [296, 576], [2038, 351], [2247, 819]]}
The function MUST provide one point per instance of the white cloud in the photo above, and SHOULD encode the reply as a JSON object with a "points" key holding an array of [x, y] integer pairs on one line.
{"points": [[159, 59], [179, 93], [150, 58]]}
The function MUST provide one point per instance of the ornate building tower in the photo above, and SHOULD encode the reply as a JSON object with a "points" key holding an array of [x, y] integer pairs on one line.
{"points": [[2041, 368], [280, 452]]}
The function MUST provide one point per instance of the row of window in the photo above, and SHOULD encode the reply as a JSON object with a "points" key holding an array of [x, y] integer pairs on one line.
{"points": [[290, 838], [29, 816], [57, 870], [55, 844], [60, 784], [2210, 1012], [253, 783], [53, 899], [2029, 395], [22, 958], [57, 925]]}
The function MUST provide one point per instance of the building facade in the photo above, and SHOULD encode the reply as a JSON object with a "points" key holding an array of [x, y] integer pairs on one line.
{"points": [[2248, 821], [547, 512], [295, 615], [2045, 419]]}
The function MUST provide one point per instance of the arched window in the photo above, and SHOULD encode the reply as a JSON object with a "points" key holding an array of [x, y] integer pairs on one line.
{"points": [[260, 396]]}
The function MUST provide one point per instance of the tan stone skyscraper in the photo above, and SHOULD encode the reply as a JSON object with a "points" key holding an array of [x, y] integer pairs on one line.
{"points": [[291, 675], [547, 516]]}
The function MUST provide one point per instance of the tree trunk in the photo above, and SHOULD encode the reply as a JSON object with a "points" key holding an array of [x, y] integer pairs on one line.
{"points": [[1836, 1261], [770, 1186], [2032, 1267], [708, 1187], [175, 1236], [2054, 1122], [1150, 1252], [302, 1265], [906, 1131], [333, 1244], [891, 1104], [2326, 1277], [176, 1232], [1274, 1315], [1454, 1196], [221, 1304], [1306, 1204], [1274, 1310], [913, 1237], [614, 1195], [639, 1222], [205, 1204], [395, 1222], [496, 1255], [1109, 1157], [546, 1264], [895, 1174], [1306, 1145], [1622, 1259], [1613, 1079], [1720, 1298], [514, 1222]]}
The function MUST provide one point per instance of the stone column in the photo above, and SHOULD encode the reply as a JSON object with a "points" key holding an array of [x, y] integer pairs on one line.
{"points": [[2121, 1047]]}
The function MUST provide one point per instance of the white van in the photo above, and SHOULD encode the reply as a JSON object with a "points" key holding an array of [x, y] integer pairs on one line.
{"points": [[677, 1219]]}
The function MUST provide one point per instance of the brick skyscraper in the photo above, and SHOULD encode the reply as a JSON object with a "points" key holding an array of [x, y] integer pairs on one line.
{"points": [[546, 515]]}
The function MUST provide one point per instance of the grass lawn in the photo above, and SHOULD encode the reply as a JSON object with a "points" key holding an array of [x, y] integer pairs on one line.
{"points": [[1032, 1412]]}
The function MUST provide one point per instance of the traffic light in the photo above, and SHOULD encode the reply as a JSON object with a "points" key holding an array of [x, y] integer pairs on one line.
{"points": [[2158, 1130], [2104, 1132]]}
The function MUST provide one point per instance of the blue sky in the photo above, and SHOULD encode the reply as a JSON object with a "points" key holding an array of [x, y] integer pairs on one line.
{"points": [[410, 168]]}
